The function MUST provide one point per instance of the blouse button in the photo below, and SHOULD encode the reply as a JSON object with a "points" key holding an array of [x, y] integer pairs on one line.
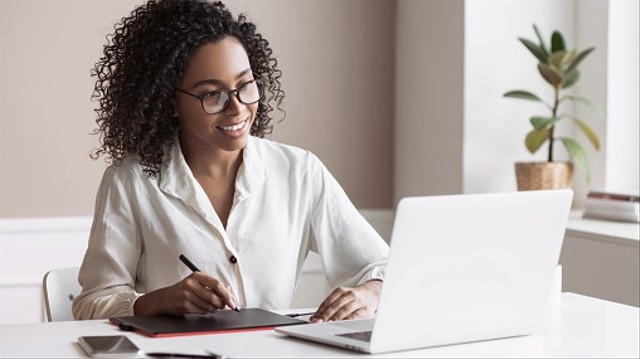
{"points": [[233, 259]]}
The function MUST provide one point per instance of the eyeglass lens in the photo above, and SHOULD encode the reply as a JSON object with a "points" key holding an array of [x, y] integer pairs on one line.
{"points": [[217, 101]]}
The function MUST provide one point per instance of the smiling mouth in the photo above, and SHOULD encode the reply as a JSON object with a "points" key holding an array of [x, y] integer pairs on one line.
{"points": [[235, 127]]}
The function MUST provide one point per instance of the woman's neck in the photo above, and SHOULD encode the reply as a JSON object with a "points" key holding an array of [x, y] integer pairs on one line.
{"points": [[211, 162]]}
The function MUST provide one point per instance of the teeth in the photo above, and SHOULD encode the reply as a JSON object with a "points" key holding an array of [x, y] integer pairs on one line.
{"points": [[234, 127]]}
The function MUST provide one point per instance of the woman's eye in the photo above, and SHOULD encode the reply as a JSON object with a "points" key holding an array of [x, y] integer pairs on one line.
{"points": [[211, 94], [244, 85]]}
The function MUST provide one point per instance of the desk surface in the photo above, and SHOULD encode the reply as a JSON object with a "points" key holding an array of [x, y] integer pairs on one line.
{"points": [[579, 327]]}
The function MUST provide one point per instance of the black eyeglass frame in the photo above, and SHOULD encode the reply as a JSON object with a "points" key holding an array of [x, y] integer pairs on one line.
{"points": [[235, 92]]}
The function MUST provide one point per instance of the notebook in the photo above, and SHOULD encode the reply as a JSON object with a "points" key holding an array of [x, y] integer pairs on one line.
{"points": [[461, 268], [218, 322]]}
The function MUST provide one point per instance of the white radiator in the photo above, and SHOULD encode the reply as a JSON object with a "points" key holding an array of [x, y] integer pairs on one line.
{"points": [[28, 249]]}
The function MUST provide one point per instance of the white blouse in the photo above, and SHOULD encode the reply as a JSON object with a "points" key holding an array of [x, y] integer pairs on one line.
{"points": [[286, 203]]}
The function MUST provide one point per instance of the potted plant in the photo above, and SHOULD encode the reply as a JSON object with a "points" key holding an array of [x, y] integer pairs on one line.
{"points": [[558, 66]]}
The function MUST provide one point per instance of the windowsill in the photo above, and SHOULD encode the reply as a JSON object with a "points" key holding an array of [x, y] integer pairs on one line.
{"points": [[624, 233]]}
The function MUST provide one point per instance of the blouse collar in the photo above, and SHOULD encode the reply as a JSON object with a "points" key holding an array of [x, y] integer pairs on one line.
{"points": [[177, 179]]}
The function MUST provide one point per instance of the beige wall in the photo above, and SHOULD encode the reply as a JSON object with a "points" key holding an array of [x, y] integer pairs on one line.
{"points": [[338, 64], [429, 98]]}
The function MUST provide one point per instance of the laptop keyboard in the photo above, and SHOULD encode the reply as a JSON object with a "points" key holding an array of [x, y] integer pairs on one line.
{"points": [[364, 336]]}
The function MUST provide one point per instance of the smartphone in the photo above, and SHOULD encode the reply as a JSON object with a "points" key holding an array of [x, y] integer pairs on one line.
{"points": [[108, 346]]}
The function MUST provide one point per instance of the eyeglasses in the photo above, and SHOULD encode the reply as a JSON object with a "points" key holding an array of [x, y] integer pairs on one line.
{"points": [[217, 101]]}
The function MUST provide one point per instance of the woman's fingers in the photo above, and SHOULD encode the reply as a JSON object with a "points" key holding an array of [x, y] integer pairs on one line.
{"points": [[346, 310], [220, 291], [338, 305], [358, 314], [335, 295], [204, 294], [349, 303], [197, 293], [194, 303]]}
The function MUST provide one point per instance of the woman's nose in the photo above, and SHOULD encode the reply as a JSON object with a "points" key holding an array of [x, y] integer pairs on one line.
{"points": [[234, 106]]}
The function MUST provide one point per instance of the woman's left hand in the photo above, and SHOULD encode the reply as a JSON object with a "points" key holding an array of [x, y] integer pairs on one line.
{"points": [[349, 303]]}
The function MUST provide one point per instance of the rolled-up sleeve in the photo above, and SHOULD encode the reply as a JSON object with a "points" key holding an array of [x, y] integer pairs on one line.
{"points": [[108, 271], [351, 250]]}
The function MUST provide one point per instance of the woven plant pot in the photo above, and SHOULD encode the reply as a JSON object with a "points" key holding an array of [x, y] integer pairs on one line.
{"points": [[543, 175]]}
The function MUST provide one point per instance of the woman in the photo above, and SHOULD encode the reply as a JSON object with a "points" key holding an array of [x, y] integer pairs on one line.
{"points": [[185, 93]]}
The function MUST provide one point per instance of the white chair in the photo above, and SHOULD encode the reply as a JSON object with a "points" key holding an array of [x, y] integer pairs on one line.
{"points": [[60, 288]]}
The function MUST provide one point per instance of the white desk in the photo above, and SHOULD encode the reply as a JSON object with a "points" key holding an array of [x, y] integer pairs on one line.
{"points": [[580, 327]]}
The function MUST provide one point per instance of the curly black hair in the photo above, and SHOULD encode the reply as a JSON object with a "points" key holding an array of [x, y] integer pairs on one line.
{"points": [[144, 61]]}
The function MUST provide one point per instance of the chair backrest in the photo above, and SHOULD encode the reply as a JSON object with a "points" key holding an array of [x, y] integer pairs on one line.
{"points": [[60, 288]]}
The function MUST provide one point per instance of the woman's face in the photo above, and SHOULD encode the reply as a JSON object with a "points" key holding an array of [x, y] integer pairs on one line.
{"points": [[223, 65]]}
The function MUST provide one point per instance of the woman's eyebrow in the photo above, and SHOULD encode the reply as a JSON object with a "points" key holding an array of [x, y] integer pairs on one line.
{"points": [[219, 82], [244, 72]]}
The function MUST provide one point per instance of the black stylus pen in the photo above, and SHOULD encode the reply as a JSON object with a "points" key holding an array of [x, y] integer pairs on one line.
{"points": [[180, 355], [295, 315], [193, 268]]}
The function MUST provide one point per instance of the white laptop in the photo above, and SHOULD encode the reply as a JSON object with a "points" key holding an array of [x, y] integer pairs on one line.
{"points": [[461, 268]]}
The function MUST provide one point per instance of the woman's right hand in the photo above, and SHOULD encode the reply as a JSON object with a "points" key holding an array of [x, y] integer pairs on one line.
{"points": [[196, 294]]}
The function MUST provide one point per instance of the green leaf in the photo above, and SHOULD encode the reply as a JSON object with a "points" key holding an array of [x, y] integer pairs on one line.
{"points": [[589, 132], [521, 94], [550, 74], [571, 79], [577, 154], [540, 122], [558, 59], [543, 47], [578, 59], [557, 42], [535, 139], [571, 55], [585, 101], [535, 50]]}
